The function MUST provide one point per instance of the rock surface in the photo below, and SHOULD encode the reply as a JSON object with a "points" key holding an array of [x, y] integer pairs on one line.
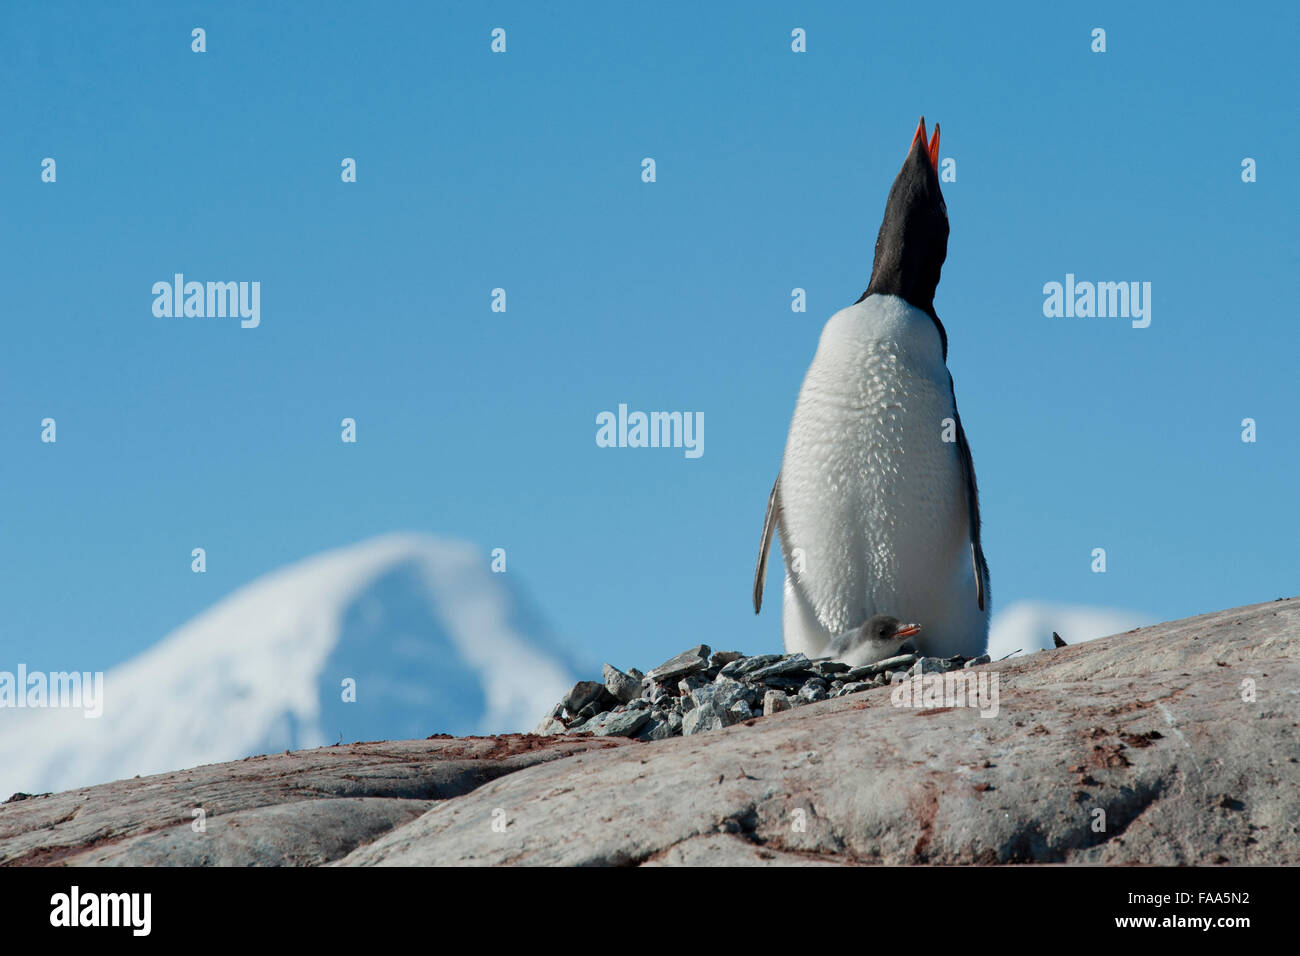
{"points": [[1178, 743]]}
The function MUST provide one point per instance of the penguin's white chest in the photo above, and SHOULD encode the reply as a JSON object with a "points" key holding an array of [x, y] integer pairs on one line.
{"points": [[873, 498]]}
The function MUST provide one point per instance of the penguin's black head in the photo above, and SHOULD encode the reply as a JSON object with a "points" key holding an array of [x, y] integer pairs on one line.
{"points": [[913, 239]]}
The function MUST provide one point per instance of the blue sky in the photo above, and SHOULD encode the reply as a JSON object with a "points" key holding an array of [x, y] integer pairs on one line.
{"points": [[523, 171]]}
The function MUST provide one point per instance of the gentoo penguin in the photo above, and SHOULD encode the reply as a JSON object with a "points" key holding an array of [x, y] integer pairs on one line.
{"points": [[876, 499], [880, 637]]}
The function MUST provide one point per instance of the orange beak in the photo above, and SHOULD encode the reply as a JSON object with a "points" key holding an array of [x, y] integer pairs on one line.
{"points": [[907, 630], [933, 147]]}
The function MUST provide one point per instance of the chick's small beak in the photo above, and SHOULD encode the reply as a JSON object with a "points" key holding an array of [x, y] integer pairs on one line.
{"points": [[907, 630]]}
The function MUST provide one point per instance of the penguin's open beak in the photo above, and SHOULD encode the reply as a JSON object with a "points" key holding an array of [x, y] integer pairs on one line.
{"points": [[931, 150], [907, 630]]}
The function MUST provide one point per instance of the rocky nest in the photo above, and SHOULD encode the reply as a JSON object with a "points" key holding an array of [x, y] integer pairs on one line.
{"points": [[701, 690]]}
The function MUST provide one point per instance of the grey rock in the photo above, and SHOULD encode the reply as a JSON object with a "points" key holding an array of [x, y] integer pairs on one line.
{"points": [[977, 661], [687, 662], [927, 665], [720, 659], [626, 724], [774, 701], [794, 664], [588, 692], [639, 703], [591, 725], [689, 684], [550, 725], [783, 683], [589, 711], [864, 671], [706, 717], [748, 665], [726, 692], [829, 669], [854, 688], [813, 691], [657, 730], [635, 674], [622, 687], [675, 721], [740, 711]]}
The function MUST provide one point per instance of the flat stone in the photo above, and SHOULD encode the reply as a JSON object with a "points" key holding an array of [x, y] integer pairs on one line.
{"points": [[783, 683], [879, 667], [687, 662], [829, 669], [625, 724], [748, 665], [977, 661], [795, 664]]}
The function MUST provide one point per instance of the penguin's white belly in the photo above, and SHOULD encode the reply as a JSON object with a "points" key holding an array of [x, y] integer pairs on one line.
{"points": [[873, 500]]}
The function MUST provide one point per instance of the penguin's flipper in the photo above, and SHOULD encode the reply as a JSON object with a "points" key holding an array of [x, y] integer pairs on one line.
{"points": [[769, 525], [979, 565]]}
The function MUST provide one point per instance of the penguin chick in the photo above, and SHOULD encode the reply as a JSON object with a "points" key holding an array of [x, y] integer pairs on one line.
{"points": [[880, 637]]}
